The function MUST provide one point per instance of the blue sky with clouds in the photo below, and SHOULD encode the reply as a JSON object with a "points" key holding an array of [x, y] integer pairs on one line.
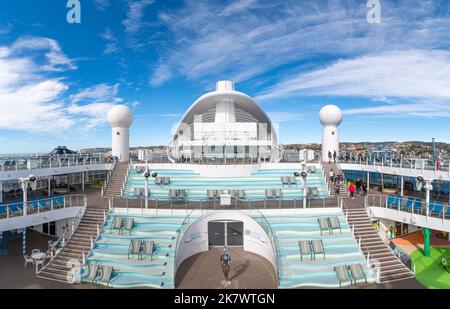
{"points": [[57, 80]]}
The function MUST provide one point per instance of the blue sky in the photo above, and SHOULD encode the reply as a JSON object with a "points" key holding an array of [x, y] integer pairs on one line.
{"points": [[57, 80]]}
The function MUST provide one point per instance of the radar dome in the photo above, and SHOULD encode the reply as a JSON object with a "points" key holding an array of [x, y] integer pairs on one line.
{"points": [[330, 115], [120, 116]]}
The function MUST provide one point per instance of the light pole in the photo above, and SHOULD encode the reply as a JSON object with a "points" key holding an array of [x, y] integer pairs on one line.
{"points": [[304, 176], [147, 174], [30, 180]]}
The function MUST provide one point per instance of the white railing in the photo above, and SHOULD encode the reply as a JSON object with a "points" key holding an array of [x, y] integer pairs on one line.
{"points": [[412, 205], [15, 209], [419, 164], [37, 162]]}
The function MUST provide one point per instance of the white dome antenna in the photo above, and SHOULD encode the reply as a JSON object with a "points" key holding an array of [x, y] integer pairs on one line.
{"points": [[120, 119], [330, 117]]}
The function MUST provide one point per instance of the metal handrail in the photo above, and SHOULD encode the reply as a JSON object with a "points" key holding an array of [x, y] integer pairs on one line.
{"points": [[67, 234]]}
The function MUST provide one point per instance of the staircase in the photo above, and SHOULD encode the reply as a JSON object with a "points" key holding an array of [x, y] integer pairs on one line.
{"points": [[343, 187], [71, 254], [115, 183], [391, 268]]}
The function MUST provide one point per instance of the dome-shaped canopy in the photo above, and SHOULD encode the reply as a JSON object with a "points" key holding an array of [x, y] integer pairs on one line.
{"points": [[330, 115], [120, 116], [245, 106]]}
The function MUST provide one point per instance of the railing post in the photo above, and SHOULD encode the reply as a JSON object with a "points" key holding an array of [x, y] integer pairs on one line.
{"points": [[92, 243]]}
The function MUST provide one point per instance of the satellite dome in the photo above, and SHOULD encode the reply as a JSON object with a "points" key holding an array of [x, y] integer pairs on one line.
{"points": [[120, 116], [330, 115]]}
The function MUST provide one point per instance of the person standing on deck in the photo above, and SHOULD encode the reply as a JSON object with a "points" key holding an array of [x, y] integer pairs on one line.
{"points": [[351, 189], [329, 156], [334, 156], [225, 261]]}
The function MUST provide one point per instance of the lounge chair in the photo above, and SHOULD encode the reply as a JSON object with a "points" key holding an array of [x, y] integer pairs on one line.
{"points": [[148, 249], [90, 273], [173, 193], [135, 248], [116, 224], [166, 180], [129, 223], [241, 194], [278, 193], [334, 224], [293, 180], [357, 273], [314, 191], [181, 194], [342, 274], [438, 208], [409, 203], [211, 194], [323, 224], [104, 275], [312, 169], [317, 248], [305, 249], [158, 180], [269, 193], [285, 180]]}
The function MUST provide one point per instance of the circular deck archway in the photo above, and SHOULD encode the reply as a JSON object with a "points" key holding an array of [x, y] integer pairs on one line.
{"points": [[196, 260]]}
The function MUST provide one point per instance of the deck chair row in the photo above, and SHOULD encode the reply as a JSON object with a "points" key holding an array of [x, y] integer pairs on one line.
{"points": [[289, 180], [141, 248], [122, 224], [97, 274], [162, 180], [350, 273], [311, 248], [330, 224]]}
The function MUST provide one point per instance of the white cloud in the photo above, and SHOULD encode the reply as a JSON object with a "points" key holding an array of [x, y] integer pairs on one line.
{"points": [[56, 59], [161, 75], [101, 92], [33, 99], [102, 5], [112, 45], [238, 6], [135, 14], [401, 74], [202, 43]]}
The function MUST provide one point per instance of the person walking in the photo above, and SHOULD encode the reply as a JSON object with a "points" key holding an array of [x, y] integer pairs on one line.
{"points": [[331, 175], [334, 156], [329, 156], [225, 261], [337, 187], [351, 189], [358, 186], [364, 189]]}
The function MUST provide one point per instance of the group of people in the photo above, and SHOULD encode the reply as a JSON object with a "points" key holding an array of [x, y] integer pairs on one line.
{"points": [[359, 188], [332, 156], [336, 180]]}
